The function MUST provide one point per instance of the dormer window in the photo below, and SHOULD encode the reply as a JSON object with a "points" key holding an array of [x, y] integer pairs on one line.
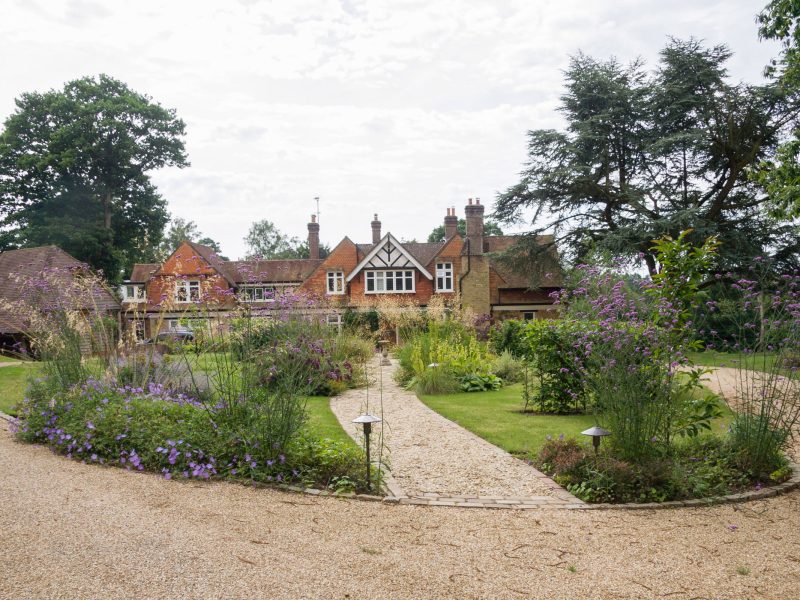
{"points": [[187, 291], [133, 293], [335, 283]]}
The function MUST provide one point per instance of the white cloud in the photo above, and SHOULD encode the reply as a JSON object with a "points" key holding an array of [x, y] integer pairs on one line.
{"points": [[401, 108]]}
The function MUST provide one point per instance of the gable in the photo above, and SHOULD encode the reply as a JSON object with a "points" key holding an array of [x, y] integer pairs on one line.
{"points": [[389, 254], [187, 261]]}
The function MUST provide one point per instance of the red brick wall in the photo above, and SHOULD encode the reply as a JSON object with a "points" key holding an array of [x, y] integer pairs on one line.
{"points": [[342, 258], [185, 263]]}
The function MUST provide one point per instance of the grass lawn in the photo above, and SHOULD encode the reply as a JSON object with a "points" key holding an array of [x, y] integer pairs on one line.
{"points": [[323, 422], [498, 418], [763, 361], [13, 381]]}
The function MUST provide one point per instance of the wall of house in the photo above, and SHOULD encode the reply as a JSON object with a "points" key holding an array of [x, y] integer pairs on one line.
{"points": [[475, 285], [342, 258], [186, 263]]}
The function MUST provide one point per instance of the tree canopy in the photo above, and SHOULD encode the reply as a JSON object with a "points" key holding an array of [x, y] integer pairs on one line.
{"points": [[264, 240], [489, 228], [649, 153], [74, 171], [180, 230]]}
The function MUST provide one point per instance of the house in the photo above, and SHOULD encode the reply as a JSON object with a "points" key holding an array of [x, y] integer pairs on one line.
{"points": [[352, 276], [49, 273]]}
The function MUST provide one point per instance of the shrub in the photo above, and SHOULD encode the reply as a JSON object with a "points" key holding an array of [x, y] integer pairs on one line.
{"points": [[509, 336], [557, 361], [435, 380], [480, 383], [179, 436], [508, 368], [562, 457]]}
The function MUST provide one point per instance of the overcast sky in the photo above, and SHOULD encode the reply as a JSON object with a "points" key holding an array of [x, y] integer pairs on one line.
{"points": [[397, 107]]}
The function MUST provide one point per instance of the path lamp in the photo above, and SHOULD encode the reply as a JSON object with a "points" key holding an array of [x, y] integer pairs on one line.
{"points": [[367, 420], [597, 434]]}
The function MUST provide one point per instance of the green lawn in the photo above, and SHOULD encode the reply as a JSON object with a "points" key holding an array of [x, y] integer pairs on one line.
{"points": [[323, 422], [13, 381], [498, 418], [762, 361]]}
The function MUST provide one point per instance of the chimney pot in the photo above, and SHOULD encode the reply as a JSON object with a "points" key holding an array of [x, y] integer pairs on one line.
{"points": [[376, 230], [313, 238], [474, 214]]}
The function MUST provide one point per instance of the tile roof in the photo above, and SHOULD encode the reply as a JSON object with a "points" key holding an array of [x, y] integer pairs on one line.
{"points": [[278, 271], [143, 272], [27, 263], [516, 277]]}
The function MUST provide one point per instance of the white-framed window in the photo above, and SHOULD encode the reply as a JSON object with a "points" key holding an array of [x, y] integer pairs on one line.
{"points": [[529, 315], [335, 320], [133, 293], [389, 282], [444, 277], [335, 281], [187, 291], [138, 330], [258, 293]]}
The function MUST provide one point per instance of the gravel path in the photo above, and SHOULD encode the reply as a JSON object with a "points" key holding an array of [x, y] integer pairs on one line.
{"points": [[71, 530], [430, 454]]}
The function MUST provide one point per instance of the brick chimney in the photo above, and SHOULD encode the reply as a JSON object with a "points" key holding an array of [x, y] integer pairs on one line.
{"points": [[450, 223], [376, 230], [313, 238], [474, 213]]}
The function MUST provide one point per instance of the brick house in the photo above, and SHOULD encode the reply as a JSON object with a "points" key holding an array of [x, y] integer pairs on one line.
{"points": [[352, 276]]}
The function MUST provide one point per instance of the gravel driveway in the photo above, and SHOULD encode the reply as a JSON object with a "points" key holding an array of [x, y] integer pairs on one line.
{"points": [[82, 531], [429, 453]]}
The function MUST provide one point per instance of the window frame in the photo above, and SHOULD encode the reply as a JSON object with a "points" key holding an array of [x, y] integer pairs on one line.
{"points": [[249, 293], [444, 274], [380, 278], [187, 285], [334, 277], [139, 292]]}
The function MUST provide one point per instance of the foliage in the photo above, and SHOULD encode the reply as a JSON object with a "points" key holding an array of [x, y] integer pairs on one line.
{"points": [[265, 241], [508, 368], [366, 322], [489, 228], [180, 230], [480, 383], [508, 336], [553, 355], [652, 153], [701, 468], [447, 346], [177, 436], [75, 165]]}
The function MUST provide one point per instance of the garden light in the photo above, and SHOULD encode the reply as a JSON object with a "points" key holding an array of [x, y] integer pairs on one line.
{"points": [[597, 433], [367, 420]]}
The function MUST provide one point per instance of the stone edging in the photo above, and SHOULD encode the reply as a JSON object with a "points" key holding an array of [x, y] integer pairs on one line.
{"points": [[561, 499]]}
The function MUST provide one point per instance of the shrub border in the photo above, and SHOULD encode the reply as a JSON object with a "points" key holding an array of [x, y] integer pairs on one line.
{"points": [[557, 501]]}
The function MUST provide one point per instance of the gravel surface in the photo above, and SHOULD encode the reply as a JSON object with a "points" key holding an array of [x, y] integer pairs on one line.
{"points": [[429, 453], [82, 531]]}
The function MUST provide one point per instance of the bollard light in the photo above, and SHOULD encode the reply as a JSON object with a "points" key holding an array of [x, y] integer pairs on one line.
{"points": [[367, 420], [597, 434]]}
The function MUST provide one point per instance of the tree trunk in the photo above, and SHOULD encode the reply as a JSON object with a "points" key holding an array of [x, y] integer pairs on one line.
{"points": [[107, 211]]}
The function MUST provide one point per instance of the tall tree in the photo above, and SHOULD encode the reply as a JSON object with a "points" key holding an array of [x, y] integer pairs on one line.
{"points": [[264, 240], [653, 153], [780, 20], [181, 230], [489, 228], [88, 150]]}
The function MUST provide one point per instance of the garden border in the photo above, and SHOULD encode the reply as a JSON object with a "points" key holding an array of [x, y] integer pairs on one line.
{"points": [[537, 502]]}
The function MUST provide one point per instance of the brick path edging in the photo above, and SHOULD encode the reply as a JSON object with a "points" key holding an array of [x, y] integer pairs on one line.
{"points": [[548, 502], [561, 499]]}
